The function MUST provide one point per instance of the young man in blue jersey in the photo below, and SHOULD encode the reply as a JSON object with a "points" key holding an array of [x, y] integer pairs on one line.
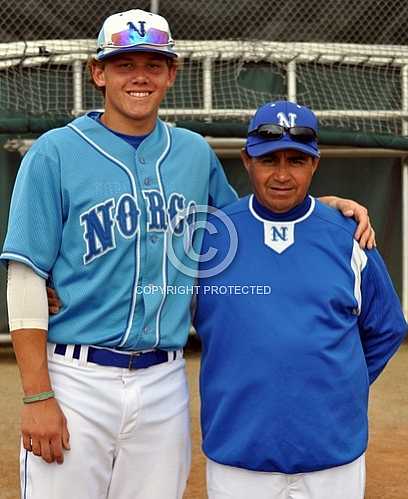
{"points": [[293, 331], [105, 387], [92, 209]]}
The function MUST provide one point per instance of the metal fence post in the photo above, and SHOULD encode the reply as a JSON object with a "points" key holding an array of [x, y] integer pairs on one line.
{"points": [[77, 70], [207, 87], [291, 71], [154, 6]]}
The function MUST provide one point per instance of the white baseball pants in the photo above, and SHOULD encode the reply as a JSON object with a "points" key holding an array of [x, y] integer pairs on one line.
{"points": [[342, 482], [130, 434]]}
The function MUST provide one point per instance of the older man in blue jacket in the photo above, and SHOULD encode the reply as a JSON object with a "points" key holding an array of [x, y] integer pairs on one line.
{"points": [[294, 330]]}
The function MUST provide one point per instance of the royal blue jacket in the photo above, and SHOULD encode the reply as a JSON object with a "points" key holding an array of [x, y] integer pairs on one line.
{"points": [[294, 330]]}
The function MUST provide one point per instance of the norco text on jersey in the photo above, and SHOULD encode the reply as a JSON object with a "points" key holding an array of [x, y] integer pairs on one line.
{"points": [[100, 221]]}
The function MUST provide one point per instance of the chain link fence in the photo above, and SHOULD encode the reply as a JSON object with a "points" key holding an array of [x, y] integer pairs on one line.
{"points": [[377, 22], [347, 60]]}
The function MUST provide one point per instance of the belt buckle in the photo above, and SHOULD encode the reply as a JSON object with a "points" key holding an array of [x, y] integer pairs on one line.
{"points": [[131, 357]]}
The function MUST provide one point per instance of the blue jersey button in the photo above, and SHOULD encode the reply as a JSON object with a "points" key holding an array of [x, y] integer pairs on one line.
{"points": [[153, 239], [147, 181], [142, 160]]}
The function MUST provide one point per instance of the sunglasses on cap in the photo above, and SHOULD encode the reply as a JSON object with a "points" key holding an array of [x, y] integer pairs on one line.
{"points": [[133, 36], [271, 131]]}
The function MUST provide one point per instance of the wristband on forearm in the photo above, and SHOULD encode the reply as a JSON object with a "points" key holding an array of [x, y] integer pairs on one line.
{"points": [[29, 399]]}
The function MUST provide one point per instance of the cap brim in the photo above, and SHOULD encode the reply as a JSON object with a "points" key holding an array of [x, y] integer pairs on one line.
{"points": [[261, 147], [107, 53]]}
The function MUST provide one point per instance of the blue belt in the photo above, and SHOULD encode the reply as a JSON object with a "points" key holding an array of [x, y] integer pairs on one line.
{"points": [[127, 360]]}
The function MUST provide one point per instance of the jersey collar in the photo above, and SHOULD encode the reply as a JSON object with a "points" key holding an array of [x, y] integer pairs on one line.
{"points": [[296, 214], [150, 150]]}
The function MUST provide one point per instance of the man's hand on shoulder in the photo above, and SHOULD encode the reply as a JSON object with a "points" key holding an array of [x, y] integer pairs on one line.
{"points": [[365, 233]]}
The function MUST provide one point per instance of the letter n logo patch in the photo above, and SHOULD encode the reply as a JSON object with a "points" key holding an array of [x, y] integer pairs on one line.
{"points": [[279, 236]]}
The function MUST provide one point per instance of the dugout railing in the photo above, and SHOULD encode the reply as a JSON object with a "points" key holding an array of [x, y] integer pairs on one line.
{"points": [[75, 53]]}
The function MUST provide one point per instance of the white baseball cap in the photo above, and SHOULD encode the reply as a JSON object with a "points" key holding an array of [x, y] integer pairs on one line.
{"points": [[134, 31]]}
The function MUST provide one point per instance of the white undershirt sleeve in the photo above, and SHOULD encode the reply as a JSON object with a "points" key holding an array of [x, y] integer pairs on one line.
{"points": [[26, 298]]}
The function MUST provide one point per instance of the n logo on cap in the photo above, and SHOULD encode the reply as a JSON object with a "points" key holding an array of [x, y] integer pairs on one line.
{"points": [[141, 31], [288, 121]]}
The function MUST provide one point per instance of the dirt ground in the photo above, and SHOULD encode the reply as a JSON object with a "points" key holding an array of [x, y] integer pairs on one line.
{"points": [[387, 457]]}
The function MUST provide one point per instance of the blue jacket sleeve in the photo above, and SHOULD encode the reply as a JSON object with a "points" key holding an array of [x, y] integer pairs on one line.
{"points": [[221, 193], [381, 321]]}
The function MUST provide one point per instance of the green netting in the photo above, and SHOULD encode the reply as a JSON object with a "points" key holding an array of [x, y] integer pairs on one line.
{"points": [[346, 56]]}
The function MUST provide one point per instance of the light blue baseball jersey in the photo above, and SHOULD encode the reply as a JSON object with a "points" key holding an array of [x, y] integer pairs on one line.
{"points": [[293, 333], [97, 217]]}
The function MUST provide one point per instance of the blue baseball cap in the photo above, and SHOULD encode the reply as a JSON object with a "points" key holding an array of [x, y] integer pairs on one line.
{"points": [[288, 115], [134, 31]]}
